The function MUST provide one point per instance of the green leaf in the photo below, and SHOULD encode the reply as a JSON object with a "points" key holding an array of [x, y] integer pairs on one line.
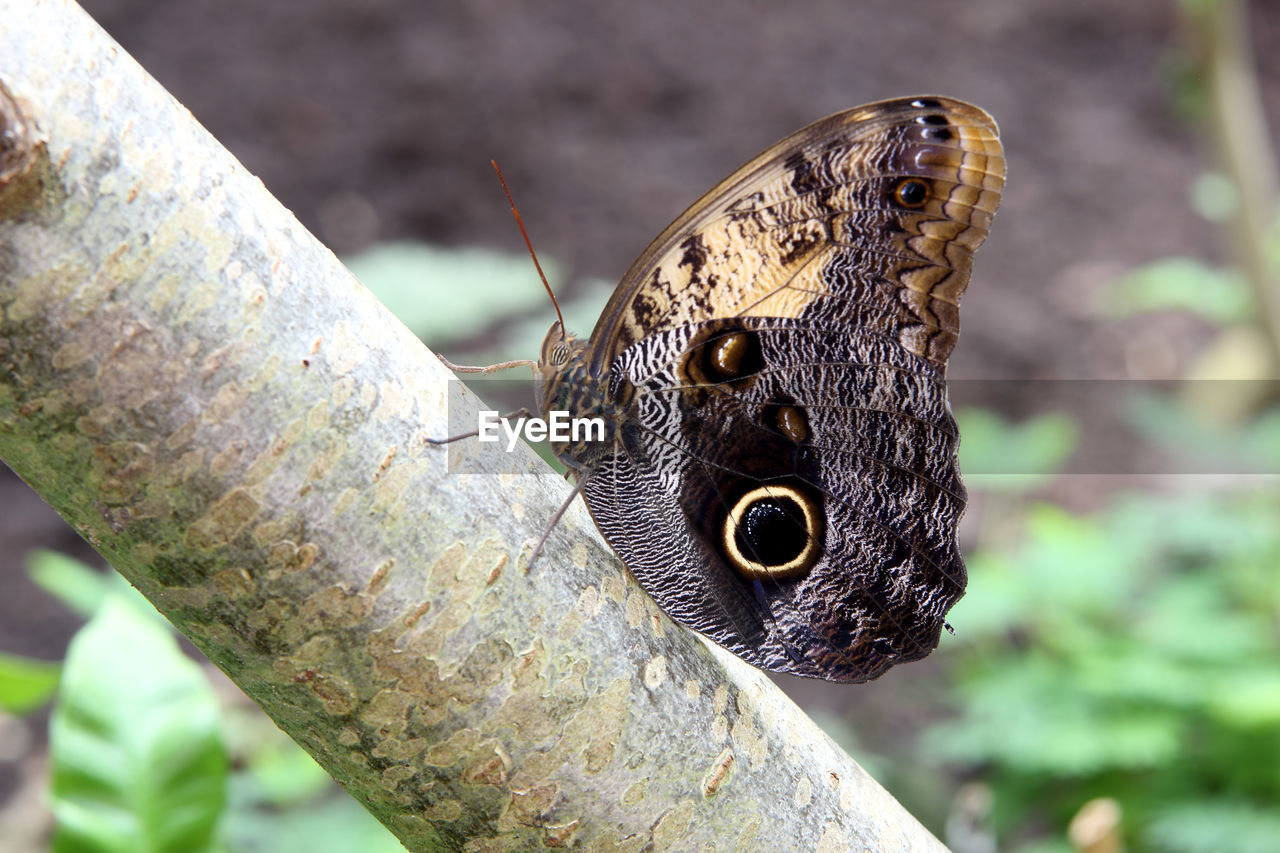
{"points": [[138, 760], [1004, 456], [1214, 196], [1198, 446], [280, 800], [1249, 698], [283, 773], [1073, 566], [1190, 618], [26, 683], [1128, 653], [77, 585], [1180, 284], [522, 338], [1028, 718], [449, 294], [330, 825], [1214, 826]]}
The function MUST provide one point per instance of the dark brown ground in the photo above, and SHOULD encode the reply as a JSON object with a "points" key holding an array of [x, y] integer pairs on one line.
{"points": [[609, 118]]}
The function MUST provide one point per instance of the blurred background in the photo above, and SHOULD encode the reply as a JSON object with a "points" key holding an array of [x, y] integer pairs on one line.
{"points": [[1114, 679]]}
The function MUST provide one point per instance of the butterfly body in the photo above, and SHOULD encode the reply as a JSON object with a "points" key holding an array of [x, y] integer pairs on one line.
{"points": [[778, 467]]}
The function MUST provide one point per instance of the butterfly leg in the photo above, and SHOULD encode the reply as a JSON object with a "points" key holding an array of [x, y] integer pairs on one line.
{"points": [[488, 368], [555, 519], [520, 413]]}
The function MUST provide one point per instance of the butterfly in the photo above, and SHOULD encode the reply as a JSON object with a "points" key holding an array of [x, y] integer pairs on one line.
{"points": [[778, 465]]}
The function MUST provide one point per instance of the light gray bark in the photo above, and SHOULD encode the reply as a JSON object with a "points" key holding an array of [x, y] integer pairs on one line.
{"points": [[209, 398]]}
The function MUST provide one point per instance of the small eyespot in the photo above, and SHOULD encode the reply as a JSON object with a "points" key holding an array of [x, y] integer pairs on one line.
{"points": [[788, 419], [911, 193], [926, 104], [732, 356]]}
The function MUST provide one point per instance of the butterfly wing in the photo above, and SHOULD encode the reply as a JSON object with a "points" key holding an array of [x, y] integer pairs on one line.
{"points": [[869, 215], [784, 478], [801, 514]]}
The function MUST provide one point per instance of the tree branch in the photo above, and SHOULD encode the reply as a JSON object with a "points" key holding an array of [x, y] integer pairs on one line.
{"points": [[1237, 125], [210, 399]]}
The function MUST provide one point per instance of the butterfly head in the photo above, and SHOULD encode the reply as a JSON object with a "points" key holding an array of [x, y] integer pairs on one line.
{"points": [[567, 386], [561, 370], [558, 347]]}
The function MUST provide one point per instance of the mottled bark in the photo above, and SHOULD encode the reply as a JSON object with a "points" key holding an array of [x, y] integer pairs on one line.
{"points": [[212, 401]]}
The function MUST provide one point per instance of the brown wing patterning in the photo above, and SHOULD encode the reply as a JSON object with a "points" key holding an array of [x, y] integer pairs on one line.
{"points": [[780, 468], [875, 211]]}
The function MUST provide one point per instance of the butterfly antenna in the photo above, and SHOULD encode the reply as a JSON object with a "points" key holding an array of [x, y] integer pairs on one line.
{"points": [[527, 243]]}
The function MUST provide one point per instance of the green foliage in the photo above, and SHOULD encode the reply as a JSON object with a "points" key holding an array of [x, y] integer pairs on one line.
{"points": [[80, 588], [1181, 284], [581, 310], [1214, 196], [1130, 654], [998, 455], [138, 760], [436, 292], [281, 801], [137, 742], [1215, 826], [407, 279], [1203, 444], [26, 683], [333, 824]]}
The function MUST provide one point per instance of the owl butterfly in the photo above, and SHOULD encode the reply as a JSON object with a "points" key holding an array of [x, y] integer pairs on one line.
{"points": [[779, 464]]}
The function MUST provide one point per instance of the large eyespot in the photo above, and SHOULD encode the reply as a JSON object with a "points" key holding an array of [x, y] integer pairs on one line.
{"points": [[773, 533], [911, 193]]}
